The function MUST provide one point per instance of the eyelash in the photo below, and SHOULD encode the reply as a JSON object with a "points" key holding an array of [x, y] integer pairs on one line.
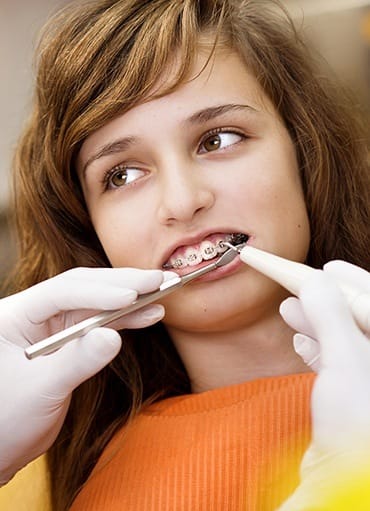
{"points": [[216, 131], [121, 166], [109, 173]]}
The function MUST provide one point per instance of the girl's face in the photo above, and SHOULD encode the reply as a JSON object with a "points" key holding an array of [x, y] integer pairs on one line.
{"points": [[171, 177]]}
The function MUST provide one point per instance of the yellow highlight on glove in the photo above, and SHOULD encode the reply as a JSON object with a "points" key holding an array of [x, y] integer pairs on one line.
{"points": [[349, 496]]}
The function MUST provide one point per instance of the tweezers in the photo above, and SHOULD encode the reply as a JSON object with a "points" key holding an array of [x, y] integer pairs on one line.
{"points": [[61, 338]]}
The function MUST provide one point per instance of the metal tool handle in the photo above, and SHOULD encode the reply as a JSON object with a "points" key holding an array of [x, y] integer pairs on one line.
{"points": [[59, 339]]}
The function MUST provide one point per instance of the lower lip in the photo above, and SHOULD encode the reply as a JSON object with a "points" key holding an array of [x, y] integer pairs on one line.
{"points": [[218, 273]]}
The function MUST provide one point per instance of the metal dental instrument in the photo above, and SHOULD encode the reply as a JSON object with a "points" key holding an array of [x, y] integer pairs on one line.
{"points": [[59, 339], [291, 274]]}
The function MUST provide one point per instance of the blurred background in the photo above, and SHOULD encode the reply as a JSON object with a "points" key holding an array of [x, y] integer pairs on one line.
{"points": [[339, 29]]}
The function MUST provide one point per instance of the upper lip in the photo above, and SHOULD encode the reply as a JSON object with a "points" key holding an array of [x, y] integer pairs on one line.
{"points": [[193, 240]]}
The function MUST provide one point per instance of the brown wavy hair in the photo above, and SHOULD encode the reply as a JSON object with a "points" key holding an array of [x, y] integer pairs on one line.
{"points": [[97, 60]]}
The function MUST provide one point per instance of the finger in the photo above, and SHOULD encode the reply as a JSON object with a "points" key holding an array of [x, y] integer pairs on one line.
{"points": [[308, 349], [141, 318], [79, 360], [67, 297], [128, 277], [292, 313], [61, 294], [168, 275], [355, 282], [327, 311], [143, 281], [349, 274]]}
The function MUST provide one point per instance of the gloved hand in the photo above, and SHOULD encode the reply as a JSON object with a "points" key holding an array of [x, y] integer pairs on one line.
{"points": [[339, 452], [35, 394]]}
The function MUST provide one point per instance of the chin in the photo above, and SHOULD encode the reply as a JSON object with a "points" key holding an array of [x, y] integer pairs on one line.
{"points": [[223, 309]]}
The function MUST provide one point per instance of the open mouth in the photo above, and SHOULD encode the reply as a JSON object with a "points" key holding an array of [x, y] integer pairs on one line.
{"points": [[210, 248]]}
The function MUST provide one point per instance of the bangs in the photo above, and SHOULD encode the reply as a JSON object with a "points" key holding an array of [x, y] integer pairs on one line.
{"points": [[133, 55]]}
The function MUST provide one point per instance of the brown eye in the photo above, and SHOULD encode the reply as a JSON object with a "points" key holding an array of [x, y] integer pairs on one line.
{"points": [[119, 178], [221, 140], [212, 143]]}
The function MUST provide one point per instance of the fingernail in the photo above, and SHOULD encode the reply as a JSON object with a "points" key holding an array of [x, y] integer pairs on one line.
{"points": [[153, 312]]}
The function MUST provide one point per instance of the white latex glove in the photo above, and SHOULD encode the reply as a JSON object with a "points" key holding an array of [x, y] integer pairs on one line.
{"points": [[35, 394], [340, 445]]}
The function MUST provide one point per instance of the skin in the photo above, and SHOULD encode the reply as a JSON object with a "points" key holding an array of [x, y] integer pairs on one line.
{"points": [[181, 185]]}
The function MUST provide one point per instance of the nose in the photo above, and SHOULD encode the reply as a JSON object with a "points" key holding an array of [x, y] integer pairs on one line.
{"points": [[185, 194]]}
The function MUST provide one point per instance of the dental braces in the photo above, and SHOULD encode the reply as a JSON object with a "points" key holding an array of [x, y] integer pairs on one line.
{"points": [[208, 252]]}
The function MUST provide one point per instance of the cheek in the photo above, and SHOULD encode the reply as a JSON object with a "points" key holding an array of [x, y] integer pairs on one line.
{"points": [[277, 181], [286, 220], [272, 201], [123, 234]]}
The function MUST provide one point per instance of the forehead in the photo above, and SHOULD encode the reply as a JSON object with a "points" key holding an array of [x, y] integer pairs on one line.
{"points": [[212, 67], [212, 81]]}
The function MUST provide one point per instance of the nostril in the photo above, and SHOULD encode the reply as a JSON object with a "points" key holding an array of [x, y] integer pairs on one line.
{"points": [[198, 210]]}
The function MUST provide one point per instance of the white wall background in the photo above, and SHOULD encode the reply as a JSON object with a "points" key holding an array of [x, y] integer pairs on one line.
{"points": [[334, 26], [20, 22]]}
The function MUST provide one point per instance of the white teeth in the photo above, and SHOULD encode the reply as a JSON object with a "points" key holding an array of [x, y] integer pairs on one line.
{"points": [[193, 256], [208, 250], [179, 262]]}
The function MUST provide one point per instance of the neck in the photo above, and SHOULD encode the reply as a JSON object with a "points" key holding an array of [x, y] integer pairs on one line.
{"points": [[217, 359]]}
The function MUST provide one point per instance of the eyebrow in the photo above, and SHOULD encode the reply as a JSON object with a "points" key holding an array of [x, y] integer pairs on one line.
{"points": [[118, 146], [202, 116], [207, 114]]}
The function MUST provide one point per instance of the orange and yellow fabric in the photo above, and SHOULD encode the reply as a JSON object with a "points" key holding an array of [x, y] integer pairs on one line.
{"points": [[236, 448], [233, 448]]}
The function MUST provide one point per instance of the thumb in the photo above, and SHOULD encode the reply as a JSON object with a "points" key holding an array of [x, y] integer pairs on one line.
{"points": [[292, 313], [81, 359], [333, 326]]}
